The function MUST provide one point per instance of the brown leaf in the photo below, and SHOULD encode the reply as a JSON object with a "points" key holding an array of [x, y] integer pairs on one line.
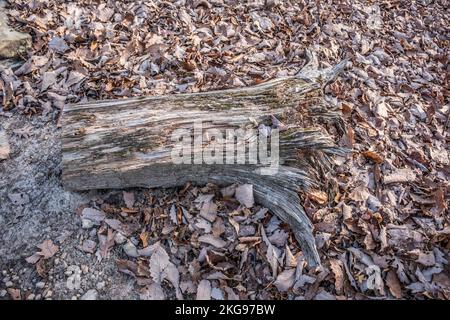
{"points": [[14, 293], [393, 284], [144, 238], [317, 196], [48, 249], [41, 268], [372, 155], [338, 275]]}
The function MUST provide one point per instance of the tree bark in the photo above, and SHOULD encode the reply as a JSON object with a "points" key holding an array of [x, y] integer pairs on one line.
{"points": [[127, 143]]}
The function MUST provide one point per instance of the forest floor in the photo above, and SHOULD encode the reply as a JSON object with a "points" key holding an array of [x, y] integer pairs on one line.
{"points": [[381, 223]]}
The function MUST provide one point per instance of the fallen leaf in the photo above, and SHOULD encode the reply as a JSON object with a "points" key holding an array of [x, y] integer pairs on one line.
{"points": [[128, 198], [317, 196], [338, 275], [372, 155], [285, 280], [93, 215], [14, 293], [48, 249], [210, 239], [272, 254], [144, 238], [400, 175], [48, 79], [153, 291], [34, 258], [58, 44], [204, 290], [244, 194], [209, 210], [393, 284]]}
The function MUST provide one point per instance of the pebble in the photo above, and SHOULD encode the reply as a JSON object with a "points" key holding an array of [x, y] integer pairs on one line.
{"points": [[31, 297], [87, 224], [130, 249], [9, 284], [3, 293], [90, 295], [119, 238], [84, 269], [40, 285], [101, 285], [134, 241], [48, 294], [38, 297], [74, 281]]}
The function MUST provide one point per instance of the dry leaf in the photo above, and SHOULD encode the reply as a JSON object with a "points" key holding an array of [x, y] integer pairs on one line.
{"points": [[401, 175], [271, 254], [48, 249], [144, 238], [393, 284], [372, 155], [338, 275], [93, 215], [128, 198], [204, 290], [244, 194], [14, 293], [212, 240], [317, 196], [285, 280]]}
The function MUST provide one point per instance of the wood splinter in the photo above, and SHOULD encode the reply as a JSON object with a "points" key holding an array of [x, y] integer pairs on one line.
{"points": [[128, 143]]}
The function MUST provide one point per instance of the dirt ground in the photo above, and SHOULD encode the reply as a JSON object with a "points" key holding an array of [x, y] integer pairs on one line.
{"points": [[381, 225]]}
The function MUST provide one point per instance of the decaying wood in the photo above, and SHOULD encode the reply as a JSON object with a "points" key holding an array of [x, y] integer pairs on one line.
{"points": [[126, 143]]}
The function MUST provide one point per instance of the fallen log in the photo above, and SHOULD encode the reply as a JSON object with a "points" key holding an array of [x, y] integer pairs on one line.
{"points": [[129, 143]]}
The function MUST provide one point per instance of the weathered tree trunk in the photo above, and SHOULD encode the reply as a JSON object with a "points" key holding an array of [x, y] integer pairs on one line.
{"points": [[127, 143]]}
